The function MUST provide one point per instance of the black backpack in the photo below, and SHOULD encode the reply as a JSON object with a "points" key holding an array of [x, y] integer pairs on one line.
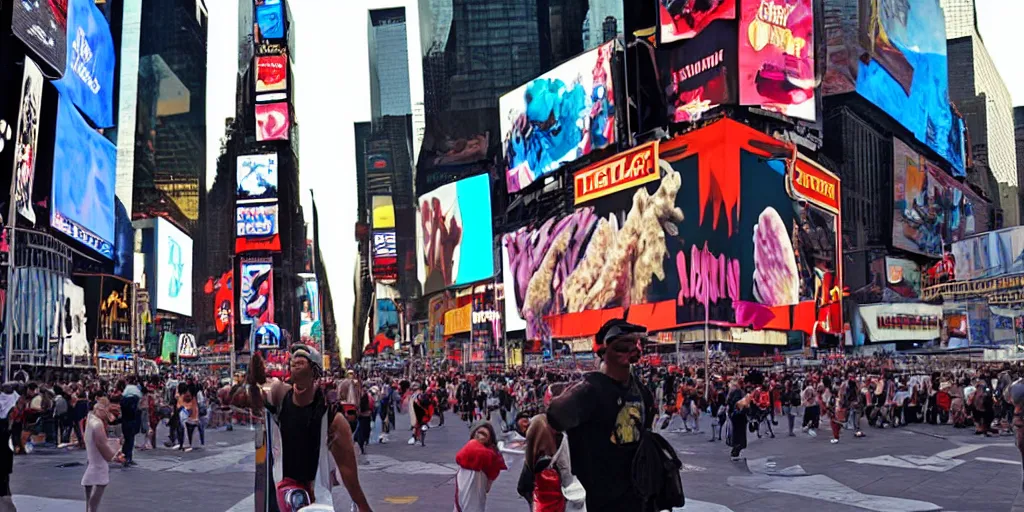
{"points": [[656, 472]]}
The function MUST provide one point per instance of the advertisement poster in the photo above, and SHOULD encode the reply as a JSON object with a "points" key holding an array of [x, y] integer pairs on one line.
{"points": [[776, 53], [174, 269], [271, 73], [43, 25], [717, 238], [89, 75], [992, 254], [222, 290], [700, 75], [454, 234], [71, 320], [387, 320], [84, 170], [256, 295], [115, 311], [383, 212], [385, 268], [187, 348], [272, 121], [169, 346], [270, 18], [558, 117], [259, 221], [685, 19], [27, 139], [931, 208], [903, 277], [384, 245], [901, 322], [257, 177], [893, 53], [253, 244]]}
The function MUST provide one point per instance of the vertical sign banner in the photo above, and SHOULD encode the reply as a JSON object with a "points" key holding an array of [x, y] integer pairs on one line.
{"points": [[42, 25], [256, 296], [272, 121], [89, 76], [777, 56], [685, 19], [28, 135], [699, 75]]}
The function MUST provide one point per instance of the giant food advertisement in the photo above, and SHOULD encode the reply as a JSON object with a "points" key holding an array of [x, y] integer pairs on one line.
{"points": [[455, 240], [734, 232], [893, 53], [776, 54], [931, 209], [558, 117]]}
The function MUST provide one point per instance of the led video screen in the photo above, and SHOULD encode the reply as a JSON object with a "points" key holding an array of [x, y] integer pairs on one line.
{"points": [[558, 117], [84, 172], [272, 121], [43, 26], [89, 75], [256, 294], [256, 177], [27, 139], [271, 73], [685, 19], [256, 221], [270, 19], [173, 269], [455, 239], [699, 75], [776, 54]]}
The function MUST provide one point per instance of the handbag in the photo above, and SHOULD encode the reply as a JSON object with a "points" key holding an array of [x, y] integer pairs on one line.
{"points": [[727, 433], [656, 473]]}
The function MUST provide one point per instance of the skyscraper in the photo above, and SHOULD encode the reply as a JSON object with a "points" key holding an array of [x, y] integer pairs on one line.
{"points": [[389, 63]]}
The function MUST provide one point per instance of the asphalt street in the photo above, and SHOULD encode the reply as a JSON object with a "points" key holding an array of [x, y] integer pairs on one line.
{"points": [[917, 468]]}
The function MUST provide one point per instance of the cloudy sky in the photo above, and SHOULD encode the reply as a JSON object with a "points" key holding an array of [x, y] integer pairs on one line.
{"points": [[332, 92]]}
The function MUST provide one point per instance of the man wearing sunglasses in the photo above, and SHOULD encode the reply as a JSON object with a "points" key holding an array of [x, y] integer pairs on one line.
{"points": [[604, 416]]}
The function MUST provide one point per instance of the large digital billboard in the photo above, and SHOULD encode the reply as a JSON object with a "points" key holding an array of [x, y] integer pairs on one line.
{"points": [[735, 232], [991, 254], [43, 25], [84, 171], [27, 139], [256, 294], [558, 117], [383, 212], [893, 53], [931, 208], [685, 19], [256, 177], [455, 240], [777, 71], [89, 75], [271, 73], [256, 221], [270, 19], [699, 75], [173, 269], [272, 121], [384, 245]]}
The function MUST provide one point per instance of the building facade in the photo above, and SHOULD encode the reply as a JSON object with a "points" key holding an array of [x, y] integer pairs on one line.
{"points": [[389, 63]]}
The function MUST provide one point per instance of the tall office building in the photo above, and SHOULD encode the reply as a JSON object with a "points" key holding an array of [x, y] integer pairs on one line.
{"points": [[1018, 137], [163, 96], [982, 97], [604, 21], [389, 63]]}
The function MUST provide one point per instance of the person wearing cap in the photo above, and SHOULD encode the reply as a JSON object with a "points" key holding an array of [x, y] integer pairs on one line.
{"points": [[307, 425], [604, 416]]}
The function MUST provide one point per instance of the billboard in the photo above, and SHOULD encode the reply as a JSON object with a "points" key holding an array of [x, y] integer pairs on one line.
{"points": [[455, 240], [270, 19], [89, 75], [685, 19], [623, 171], [258, 221], [256, 177], [256, 294], [253, 243], [558, 117], [992, 254], [383, 212], [699, 75], [272, 121], [384, 245], [777, 71], [84, 171], [173, 269], [27, 139], [43, 27], [724, 236], [893, 53], [901, 322], [903, 277], [271, 73], [931, 208]]}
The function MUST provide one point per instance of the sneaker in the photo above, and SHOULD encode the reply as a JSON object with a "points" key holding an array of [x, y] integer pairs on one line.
{"points": [[834, 441], [176, 447], [412, 441], [812, 433], [189, 449]]}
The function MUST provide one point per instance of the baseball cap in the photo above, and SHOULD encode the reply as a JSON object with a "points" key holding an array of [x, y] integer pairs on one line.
{"points": [[616, 328]]}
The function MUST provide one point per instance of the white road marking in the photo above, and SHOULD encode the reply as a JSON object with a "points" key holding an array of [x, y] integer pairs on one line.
{"points": [[821, 487], [939, 463], [390, 465], [961, 450], [1000, 461]]}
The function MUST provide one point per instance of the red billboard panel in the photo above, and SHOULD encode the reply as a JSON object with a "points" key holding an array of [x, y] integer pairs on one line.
{"points": [[776, 49]]}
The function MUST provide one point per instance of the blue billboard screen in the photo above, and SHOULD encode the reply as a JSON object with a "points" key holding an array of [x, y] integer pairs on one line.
{"points": [[84, 172], [89, 74]]}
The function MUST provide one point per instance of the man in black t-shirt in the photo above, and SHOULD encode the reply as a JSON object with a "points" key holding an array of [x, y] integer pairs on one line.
{"points": [[604, 416]]}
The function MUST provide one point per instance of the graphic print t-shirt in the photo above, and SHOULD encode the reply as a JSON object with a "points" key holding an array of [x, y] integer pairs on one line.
{"points": [[604, 420]]}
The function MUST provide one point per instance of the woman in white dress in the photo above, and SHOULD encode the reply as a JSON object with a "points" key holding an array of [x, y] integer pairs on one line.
{"points": [[99, 453]]}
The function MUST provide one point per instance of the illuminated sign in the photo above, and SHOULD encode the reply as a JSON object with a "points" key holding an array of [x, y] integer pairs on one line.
{"points": [[459, 320], [813, 183], [256, 221], [908, 322], [625, 170]]}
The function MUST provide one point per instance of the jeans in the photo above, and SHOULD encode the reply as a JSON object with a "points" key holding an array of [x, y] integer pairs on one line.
{"points": [[203, 421], [790, 413], [129, 428], [855, 419]]}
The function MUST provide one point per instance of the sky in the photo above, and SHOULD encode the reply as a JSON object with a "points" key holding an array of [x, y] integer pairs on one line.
{"points": [[998, 22], [331, 93]]}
